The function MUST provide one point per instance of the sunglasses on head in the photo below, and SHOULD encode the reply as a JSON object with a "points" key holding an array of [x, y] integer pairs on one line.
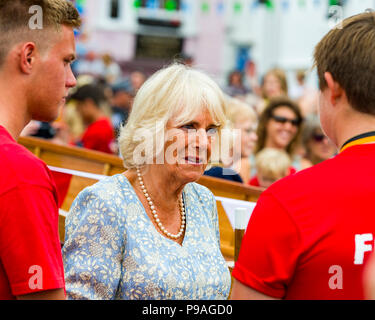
{"points": [[318, 137], [294, 122]]}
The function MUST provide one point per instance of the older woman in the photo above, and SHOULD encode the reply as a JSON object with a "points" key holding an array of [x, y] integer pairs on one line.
{"points": [[280, 127], [152, 233]]}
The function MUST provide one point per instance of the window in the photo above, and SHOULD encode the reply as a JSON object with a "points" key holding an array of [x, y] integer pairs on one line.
{"points": [[115, 9]]}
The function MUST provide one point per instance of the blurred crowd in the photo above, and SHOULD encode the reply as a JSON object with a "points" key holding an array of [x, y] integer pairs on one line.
{"points": [[279, 125]]}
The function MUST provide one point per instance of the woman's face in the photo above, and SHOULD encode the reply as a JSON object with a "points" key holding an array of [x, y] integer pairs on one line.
{"points": [[320, 146], [281, 128], [272, 86], [248, 137], [188, 147]]}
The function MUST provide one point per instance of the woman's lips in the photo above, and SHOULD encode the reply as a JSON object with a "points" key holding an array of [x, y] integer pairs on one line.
{"points": [[194, 160]]}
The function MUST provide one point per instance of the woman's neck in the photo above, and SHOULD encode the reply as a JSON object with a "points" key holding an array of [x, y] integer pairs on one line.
{"points": [[164, 191]]}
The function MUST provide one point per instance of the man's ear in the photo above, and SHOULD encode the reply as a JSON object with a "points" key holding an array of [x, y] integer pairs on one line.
{"points": [[336, 92], [27, 57]]}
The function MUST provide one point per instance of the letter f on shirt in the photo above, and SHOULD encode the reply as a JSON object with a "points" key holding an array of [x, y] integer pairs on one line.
{"points": [[361, 247]]}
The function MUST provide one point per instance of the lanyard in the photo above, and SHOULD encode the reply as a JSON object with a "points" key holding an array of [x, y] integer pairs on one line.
{"points": [[368, 137]]}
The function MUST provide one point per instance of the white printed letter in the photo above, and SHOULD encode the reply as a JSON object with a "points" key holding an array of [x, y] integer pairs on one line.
{"points": [[361, 247]]}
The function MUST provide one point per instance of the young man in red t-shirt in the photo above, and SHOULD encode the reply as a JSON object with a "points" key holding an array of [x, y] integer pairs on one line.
{"points": [[35, 55], [311, 233], [99, 133]]}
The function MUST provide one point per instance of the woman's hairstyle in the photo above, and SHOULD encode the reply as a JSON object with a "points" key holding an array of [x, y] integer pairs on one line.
{"points": [[240, 111], [272, 163], [176, 92], [266, 116], [281, 76]]}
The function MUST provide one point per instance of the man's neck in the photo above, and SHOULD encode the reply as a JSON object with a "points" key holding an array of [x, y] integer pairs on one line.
{"points": [[13, 108], [353, 125], [13, 119]]}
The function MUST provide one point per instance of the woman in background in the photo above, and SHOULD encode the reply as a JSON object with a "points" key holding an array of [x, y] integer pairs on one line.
{"points": [[317, 145], [274, 85], [243, 119], [280, 127]]}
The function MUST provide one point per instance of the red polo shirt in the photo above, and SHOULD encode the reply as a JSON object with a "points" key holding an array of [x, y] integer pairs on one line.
{"points": [[312, 232], [30, 253]]}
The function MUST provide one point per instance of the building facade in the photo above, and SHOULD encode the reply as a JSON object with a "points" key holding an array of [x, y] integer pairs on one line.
{"points": [[220, 35]]}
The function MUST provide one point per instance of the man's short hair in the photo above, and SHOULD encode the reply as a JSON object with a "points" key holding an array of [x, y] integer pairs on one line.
{"points": [[348, 53], [15, 17]]}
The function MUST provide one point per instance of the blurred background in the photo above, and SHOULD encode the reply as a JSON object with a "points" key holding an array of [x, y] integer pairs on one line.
{"points": [[217, 35], [256, 50]]}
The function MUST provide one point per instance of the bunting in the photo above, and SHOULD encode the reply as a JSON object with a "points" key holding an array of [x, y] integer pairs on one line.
{"points": [[222, 6]]}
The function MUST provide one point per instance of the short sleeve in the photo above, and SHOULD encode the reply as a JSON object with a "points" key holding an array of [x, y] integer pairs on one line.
{"points": [[30, 250], [269, 250], [93, 247]]}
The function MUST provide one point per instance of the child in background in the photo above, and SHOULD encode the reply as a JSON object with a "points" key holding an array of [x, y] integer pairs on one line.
{"points": [[272, 165]]}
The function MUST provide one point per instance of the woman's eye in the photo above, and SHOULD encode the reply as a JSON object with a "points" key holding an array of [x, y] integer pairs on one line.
{"points": [[212, 131], [187, 126]]}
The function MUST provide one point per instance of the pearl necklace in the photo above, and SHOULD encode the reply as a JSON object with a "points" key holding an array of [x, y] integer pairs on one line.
{"points": [[155, 215]]}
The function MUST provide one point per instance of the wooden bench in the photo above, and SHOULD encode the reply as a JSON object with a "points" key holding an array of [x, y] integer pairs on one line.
{"points": [[80, 159]]}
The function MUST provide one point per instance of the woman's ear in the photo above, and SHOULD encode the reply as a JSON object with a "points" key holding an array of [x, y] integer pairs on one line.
{"points": [[27, 57]]}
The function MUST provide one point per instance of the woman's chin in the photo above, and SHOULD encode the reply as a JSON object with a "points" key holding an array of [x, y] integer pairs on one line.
{"points": [[192, 172], [283, 144]]}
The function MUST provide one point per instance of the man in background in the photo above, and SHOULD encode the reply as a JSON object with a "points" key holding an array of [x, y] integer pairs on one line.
{"points": [[99, 134]]}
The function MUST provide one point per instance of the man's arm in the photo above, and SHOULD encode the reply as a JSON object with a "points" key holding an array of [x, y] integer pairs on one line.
{"points": [[57, 294], [269, 252], [243, 292]]}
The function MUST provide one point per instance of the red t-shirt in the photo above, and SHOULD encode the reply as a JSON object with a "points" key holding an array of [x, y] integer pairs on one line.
{"points": [[99, 136], [30, 252], [311, 233]]}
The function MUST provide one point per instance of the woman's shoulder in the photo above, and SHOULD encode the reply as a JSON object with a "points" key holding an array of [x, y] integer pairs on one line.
{"points": [[107, 188]]}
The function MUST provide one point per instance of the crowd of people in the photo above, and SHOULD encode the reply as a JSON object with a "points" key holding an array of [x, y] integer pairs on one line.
{"points": [[152, 232], [268, 115]]}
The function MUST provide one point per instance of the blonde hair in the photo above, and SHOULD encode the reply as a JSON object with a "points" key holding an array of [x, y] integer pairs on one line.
{"points": [[273, 163], [239, 111], [176, 92]]}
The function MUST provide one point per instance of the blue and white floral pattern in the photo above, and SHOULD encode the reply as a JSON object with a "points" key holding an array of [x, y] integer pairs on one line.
{"points": [[113, 251]]}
